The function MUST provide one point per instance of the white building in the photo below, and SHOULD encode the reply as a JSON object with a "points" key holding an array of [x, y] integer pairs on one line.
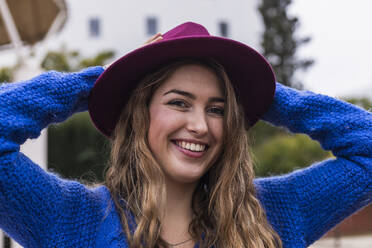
{"points": [[96, 25]]}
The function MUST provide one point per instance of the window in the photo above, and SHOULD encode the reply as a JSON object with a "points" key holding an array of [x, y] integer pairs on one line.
{"points": [[94, 27], [224, 29], [151, 25]]}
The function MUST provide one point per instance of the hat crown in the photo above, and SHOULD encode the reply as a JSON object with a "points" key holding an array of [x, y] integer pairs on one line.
{"points": [[186, 30]]}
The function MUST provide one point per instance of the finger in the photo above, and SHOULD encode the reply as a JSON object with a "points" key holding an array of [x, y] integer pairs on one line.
{"points": [[157, 39], [153, 38]]}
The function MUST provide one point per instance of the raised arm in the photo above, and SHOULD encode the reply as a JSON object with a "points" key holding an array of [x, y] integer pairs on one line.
{"points": [[32, 201], [305, 204]]}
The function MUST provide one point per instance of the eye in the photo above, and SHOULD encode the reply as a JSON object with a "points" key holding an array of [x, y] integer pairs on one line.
{"points": [[216, 110], [178, 103]]}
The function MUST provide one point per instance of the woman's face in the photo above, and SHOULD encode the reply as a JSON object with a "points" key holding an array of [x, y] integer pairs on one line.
{"points": [[186, 123]]}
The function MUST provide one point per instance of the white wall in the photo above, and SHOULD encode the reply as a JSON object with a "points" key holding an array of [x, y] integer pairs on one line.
{"points": [[124, 22]]}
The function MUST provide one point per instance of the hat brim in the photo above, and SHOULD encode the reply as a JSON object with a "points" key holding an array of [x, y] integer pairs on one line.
{"points": [[251, 75]]}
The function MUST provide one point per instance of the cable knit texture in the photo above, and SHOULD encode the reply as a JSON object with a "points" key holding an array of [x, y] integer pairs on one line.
{"points": [[39, 209]]}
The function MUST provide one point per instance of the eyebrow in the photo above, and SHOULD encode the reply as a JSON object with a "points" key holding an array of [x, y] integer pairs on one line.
{"points": [[189, 95]]}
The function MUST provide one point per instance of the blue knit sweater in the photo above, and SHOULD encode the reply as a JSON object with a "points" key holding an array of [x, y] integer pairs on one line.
{"points": [[39, 209]]}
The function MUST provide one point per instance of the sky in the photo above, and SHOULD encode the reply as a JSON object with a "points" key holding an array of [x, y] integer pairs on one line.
{"points": [[341, 45]]}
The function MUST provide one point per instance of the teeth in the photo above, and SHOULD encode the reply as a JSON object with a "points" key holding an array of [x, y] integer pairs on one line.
{"points": [[191, 146]]}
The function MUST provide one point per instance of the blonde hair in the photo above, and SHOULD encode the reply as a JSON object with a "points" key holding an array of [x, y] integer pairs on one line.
{"points": [[226, 210]]}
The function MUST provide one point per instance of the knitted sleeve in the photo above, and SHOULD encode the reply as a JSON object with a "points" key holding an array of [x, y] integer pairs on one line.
{"points": [[32, 201], [305, 204]]}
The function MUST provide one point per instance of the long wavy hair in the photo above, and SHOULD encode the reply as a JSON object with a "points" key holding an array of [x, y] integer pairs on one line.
{"points": [[226, 211]]}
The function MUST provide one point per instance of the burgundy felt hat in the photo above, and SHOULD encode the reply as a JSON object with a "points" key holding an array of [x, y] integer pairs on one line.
{"points": [[250, 73]]}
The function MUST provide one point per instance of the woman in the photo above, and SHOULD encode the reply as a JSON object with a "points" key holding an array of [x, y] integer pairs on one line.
{"points": [[180, 174]]}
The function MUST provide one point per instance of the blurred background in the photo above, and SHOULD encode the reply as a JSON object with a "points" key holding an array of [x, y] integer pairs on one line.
{"points": [[323, 46]]}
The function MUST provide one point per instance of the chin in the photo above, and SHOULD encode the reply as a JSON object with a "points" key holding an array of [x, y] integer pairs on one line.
{"points": [[186, 178]]}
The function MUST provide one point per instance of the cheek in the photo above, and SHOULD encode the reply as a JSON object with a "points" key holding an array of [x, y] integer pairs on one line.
{"points": [[216, 128], [162, 123], [155, 124]]}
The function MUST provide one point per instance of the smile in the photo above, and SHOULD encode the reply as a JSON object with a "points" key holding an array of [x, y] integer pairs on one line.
{"points": [[190, 149], [191, 146]]}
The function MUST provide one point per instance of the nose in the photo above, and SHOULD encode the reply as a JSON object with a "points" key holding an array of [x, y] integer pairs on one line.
{"points": [[197, 123]]}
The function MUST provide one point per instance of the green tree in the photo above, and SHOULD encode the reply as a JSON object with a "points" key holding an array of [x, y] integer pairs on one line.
{"points": [[279, 42], [276, 150], [76, 149]]}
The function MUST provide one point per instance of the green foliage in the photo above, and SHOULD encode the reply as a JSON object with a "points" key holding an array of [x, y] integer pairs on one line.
{"points": [[72, 61], [279, 42], [6, 74], [56, 61], [361, 102], [284, 153], [263, 131], [99, 59], [76, 149], [277, 151]]}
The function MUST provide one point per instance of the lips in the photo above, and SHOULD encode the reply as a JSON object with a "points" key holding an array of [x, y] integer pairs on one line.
{"points": [[197, 150]]}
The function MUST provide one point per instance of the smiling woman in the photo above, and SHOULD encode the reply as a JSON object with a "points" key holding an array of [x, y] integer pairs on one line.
{"points": [[186, 108], [177, 111]]}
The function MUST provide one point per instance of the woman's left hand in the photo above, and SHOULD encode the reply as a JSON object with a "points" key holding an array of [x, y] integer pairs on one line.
{"points": [[153, 39]]}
